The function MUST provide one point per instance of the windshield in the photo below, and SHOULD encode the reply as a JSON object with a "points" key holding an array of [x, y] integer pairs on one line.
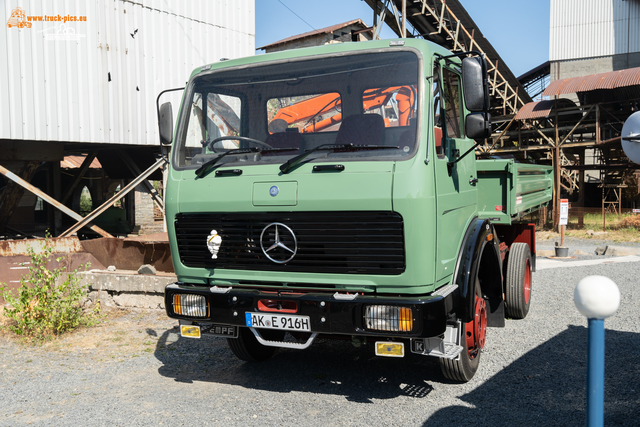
{"points": [[287, 109]]}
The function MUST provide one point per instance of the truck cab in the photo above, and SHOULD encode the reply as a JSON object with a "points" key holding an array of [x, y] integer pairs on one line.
{"points": [[330, 192]]}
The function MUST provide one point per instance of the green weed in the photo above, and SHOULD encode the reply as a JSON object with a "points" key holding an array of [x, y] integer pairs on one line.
{"points": [[42, 310]]}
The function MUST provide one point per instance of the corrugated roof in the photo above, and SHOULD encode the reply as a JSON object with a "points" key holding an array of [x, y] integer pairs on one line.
{"points": [[535, 110], [325, 30], [610, 80], [74, 162]]}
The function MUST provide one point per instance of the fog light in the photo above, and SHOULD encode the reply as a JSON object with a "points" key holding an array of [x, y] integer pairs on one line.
{"points": [[190, 305], [390, 349], [190, 331], [388, 318]]}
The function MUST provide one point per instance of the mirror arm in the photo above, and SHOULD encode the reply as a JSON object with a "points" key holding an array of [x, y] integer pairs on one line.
{"points": [[450, 165], [158, 103]]}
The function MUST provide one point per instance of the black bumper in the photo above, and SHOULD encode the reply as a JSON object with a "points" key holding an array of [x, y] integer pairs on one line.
{"points": [[327, 314]]}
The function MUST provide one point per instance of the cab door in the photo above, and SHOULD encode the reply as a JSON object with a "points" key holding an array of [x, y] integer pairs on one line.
{"points": [[456, 194]]}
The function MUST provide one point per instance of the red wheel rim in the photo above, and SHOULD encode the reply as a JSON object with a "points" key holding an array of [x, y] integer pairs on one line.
{"points": [[476, 330], [527, 282]]}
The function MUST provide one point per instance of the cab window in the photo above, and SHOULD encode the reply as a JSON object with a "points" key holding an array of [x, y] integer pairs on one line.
{"points": [[396, 104], [307, 113]]}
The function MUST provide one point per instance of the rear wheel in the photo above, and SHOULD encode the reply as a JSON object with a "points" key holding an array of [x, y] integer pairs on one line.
{"points": [[473, 337], [246, 347], [518, 281]]}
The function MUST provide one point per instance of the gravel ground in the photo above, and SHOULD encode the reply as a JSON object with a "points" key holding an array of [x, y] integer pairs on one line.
{"points": [[135, 370]]}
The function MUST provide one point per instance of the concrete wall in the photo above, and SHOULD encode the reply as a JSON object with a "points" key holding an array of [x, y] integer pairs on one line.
{"points": [[126, 289], [144, 207], [585, 66]]}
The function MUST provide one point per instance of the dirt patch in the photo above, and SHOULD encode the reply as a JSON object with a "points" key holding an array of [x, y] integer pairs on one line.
{"points": [[120, 334], [618, 236]]}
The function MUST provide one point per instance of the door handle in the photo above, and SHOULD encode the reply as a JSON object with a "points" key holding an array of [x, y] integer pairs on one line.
{"points": [[473, 181]]}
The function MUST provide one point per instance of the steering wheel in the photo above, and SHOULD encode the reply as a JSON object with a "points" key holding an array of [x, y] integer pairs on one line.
{"points": [[210, 144]]}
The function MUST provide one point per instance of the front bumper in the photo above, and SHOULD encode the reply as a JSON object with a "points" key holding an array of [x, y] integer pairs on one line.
{"points": [[329, 314]]}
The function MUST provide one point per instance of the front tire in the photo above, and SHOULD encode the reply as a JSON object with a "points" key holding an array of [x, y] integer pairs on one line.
{"points": [[518, 281], [246, 347], [472, 337]]}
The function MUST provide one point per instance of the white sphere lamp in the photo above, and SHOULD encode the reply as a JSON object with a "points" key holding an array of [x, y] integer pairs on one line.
{"points": [[596, 297]]}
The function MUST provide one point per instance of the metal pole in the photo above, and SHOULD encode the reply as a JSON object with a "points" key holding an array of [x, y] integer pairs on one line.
{"points": [[596, 298], [595, 374], [404, 19], [604, 217]]}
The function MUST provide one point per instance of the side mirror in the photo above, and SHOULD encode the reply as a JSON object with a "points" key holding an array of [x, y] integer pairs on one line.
{"points": [[477, 126], [475, 84], [165, 123]]}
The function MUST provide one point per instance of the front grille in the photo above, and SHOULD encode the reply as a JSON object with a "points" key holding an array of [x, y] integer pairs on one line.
{"points": [[327, 242]]}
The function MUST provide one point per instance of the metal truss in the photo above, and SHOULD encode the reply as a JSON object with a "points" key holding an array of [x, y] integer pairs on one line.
{"points": [[447, 23]]}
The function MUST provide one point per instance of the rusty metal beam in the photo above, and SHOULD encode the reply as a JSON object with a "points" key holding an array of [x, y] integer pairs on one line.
{"points": [[126, 190], [603, 167], [136, 171], [79, 175], [576, 126], [44, 196]]}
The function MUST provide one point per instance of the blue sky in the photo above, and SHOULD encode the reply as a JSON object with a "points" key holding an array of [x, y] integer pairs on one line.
{"points": [[518, 29]]}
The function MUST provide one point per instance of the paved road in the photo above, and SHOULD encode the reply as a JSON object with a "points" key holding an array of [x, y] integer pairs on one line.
{"points": [[135, 370]]}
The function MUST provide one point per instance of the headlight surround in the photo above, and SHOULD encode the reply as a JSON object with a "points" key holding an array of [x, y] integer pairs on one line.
{"points": [[388, 318]]}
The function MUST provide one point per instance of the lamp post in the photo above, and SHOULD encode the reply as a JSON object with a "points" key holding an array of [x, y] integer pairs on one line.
{"points": [[596, 297]]}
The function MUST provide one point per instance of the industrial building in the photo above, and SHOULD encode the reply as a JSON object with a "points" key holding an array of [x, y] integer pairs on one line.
{"points": [[567, 112], [78, 109], [79, 112]]}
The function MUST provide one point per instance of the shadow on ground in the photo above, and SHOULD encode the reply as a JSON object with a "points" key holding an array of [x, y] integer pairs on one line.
{"points": [[330, 367], [546, 386]]}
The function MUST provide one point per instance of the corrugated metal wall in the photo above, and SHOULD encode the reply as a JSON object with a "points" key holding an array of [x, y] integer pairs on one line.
{"points": [[97, 81], [592, 28]]}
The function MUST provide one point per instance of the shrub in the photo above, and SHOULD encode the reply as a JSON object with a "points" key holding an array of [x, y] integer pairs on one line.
{"points": [[630, 221], [43, 309]]}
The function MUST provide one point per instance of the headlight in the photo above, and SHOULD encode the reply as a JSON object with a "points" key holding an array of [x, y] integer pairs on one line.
{"points": [[388, 318], [190, 305]]}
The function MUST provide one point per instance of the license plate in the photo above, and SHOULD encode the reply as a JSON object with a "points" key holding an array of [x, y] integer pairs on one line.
{"points": [[285, 322], [226, 331]]}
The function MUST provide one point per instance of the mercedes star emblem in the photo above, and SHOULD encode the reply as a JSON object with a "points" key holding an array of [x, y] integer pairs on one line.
{"points": [[278, 243]]}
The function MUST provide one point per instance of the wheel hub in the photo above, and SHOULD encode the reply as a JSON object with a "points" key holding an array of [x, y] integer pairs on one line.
{"points": [[476, 330], [527, 282]]}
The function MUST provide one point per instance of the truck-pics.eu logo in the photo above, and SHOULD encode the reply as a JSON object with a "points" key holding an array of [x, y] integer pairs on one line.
{"points": [[18, 19]]}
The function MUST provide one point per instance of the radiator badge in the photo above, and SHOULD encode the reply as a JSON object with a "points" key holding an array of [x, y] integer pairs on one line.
{"points": [[213, 243], [278, 243]]}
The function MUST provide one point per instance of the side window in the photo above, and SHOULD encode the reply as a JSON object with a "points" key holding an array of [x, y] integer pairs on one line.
{"points": [[438, 117], [307, 114], [196, 132], [452, 104], [395, 104], [223, 118]]}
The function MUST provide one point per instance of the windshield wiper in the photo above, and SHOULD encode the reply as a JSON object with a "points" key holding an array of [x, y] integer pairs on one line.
{"points": [[289, 164], [206, 167], [202, 170]]}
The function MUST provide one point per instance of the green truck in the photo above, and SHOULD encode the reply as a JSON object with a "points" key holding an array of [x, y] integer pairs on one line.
{"points": [[334, 192]]}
